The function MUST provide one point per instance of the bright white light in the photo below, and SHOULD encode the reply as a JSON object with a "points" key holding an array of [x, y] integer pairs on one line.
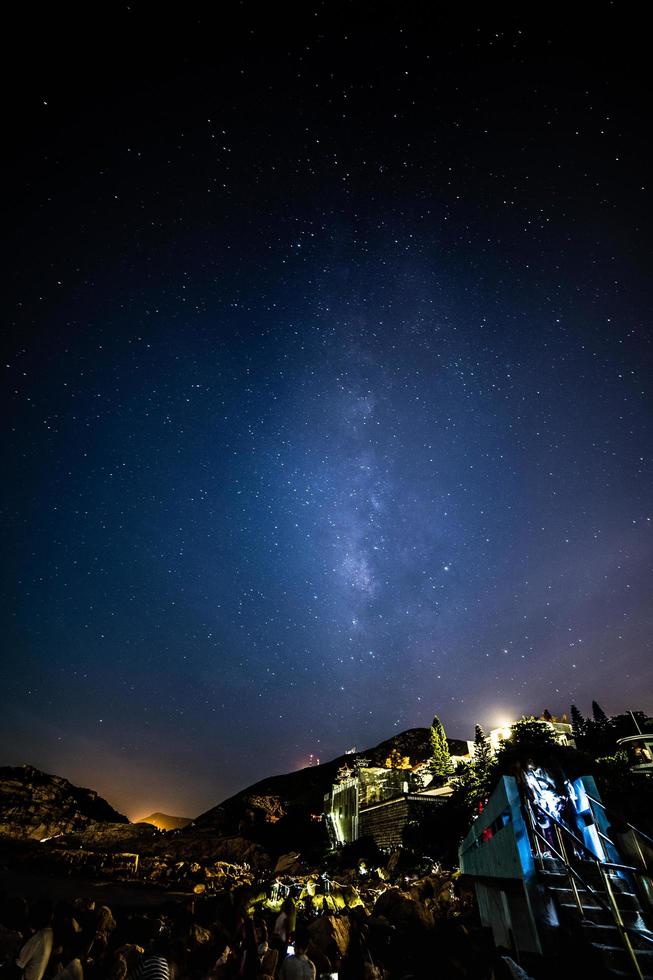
{"points": [[503, 721]]}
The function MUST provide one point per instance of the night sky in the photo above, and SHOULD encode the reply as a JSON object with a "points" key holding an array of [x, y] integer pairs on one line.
{"points": [[327, 399]]}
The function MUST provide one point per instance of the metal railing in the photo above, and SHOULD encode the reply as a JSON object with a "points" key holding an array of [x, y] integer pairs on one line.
{"points": [[575, 879], [636, 831]]}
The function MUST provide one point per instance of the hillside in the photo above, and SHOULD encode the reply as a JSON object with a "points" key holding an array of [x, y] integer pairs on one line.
{"points": [[35, 804], [274, 813], [274, 797]]}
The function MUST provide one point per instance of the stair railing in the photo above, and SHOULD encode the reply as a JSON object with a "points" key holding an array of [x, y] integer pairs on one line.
{"points": [[639, 834], [575, 879]]}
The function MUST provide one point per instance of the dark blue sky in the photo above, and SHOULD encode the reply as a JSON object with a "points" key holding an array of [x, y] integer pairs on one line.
{"points": [[328, 387]]}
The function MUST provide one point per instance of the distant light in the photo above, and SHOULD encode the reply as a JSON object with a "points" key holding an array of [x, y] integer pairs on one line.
{"points": [[503, 722]]}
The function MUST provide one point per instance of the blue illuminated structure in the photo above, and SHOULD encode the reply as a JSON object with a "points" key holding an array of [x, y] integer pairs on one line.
{"points": [[541, 860]]}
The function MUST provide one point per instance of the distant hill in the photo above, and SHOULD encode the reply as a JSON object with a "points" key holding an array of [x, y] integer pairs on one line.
{"points": [[35, 805], [165, 822]]}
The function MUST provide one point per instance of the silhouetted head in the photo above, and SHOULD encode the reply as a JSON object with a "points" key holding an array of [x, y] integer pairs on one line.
{"points": [[41, 915], [301, 942]]}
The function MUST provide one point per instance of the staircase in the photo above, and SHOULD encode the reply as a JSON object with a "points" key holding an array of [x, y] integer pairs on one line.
{"points": [[599, 904]]}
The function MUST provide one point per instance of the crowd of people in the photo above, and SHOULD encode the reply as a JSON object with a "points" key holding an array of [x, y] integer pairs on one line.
{"points": [[205, 940], [225, 937]]}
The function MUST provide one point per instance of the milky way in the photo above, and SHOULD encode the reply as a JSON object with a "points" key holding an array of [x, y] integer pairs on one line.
{"points": [[328, 379]]}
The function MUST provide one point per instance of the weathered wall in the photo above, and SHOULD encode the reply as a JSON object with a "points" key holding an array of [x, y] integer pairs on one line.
{"points": [[386, 822]]}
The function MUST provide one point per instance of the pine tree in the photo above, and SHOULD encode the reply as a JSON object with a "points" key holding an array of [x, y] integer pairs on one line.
{"points": [[482, 755], [482, 761], [578, 723], [599, 714], [546, 715], [440, 757], [600, 733], [472, 781]]}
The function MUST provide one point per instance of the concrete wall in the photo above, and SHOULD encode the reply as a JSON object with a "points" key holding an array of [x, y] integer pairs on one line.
{"points": [[385, 822], [342, 809], [508, 853], [497, 854]]}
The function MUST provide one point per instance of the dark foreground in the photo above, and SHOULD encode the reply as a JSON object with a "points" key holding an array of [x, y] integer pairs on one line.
{"points": [[358, 926], [373, 924]]}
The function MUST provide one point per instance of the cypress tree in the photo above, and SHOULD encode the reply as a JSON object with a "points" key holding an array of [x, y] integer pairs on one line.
{"points": [[440, 756], [482, 761], [482, 753]]}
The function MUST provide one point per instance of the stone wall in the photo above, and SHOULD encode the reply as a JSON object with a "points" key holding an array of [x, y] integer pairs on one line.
{"points": [[385, 822]]}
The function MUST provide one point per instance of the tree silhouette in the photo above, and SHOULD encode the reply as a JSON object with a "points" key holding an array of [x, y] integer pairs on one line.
{"points": [[440, 756], [599, 714], [531, 733], [482, 754], [578, 723]]}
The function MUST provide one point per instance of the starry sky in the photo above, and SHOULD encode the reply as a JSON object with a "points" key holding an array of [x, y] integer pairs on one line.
{"points": [[327, 399]]}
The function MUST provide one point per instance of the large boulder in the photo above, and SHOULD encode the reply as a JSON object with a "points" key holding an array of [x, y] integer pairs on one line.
{"points": [[436, 893], [403, 910], [329, 936], [288, 864], [208, 848]]}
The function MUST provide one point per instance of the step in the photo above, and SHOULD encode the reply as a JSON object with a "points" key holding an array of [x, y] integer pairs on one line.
{"points": [[583, 867], [588, 873], [632, 918], [609, 935], [615, 957], [626, 901]]}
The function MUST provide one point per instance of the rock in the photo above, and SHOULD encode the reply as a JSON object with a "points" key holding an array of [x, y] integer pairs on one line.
{"points": [[288, 864], [269, 806], [436, 893], [199, 935], [36, 805], [208, 848], [131, 838], [403, 911], [329, 935]]}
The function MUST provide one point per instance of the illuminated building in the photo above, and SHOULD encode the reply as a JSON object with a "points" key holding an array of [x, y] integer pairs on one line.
{"points": [[378, 803], [561, 729]]}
